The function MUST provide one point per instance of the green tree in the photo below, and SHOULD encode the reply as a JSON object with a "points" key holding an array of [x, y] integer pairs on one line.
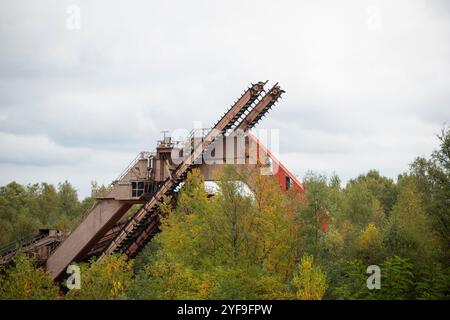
{"points": [[369, 245], [103, 280], [433, 283], [433, 181], [317, 200], [24, 224], [25, 209], [397, 280], [358, 204], [249, 281], [382, 188], [409, 232], [6, 234], [352, 284], [207, 245], [310, 280], [13, 199], [68, 199], [25, 281], [46, 205]]}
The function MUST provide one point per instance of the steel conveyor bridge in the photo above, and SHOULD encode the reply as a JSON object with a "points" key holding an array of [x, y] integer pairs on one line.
{"points": [[149, 179]]}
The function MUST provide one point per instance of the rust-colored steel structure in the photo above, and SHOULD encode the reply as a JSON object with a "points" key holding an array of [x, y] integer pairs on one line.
{"points": [[240, 116], [152, 176]]}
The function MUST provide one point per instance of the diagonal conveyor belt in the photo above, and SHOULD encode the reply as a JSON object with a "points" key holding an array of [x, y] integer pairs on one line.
{"points": [[148, 226], [169, 186]]}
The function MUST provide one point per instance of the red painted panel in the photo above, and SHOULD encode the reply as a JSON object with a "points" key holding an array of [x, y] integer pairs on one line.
{"points": [[281, 172]]}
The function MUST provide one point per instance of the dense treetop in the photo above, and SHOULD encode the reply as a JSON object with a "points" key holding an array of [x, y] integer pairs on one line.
{"points": [[263, 244]]}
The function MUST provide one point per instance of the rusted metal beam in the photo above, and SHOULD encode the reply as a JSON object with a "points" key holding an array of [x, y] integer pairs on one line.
{"points": [[263, 106], [227, 121], [102, 218]]}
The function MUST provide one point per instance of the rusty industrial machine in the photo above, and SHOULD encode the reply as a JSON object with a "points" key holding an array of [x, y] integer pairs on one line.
{"points": [[151, 176]]}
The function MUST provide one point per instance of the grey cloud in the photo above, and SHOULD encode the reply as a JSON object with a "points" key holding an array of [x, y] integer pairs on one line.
{"points": [[355, 97], [36, 151]]}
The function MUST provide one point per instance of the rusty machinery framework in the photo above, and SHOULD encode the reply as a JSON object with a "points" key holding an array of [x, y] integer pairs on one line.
{"points": [[150, 177]]}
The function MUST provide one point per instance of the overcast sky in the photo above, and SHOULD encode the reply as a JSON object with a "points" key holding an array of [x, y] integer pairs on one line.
{"points": [[367, 82]]}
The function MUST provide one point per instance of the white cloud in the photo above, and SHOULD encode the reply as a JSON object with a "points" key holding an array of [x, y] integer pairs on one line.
{"points": [[357, 97], [35, 150]]}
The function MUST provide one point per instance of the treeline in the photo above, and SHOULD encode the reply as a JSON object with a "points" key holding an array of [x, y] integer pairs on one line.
{"points": [[26, 209], [268, 244]]}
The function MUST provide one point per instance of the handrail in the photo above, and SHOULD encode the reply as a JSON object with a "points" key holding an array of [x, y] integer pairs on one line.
{"points": [[21, 243], [125, 171], [225, 122]]}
